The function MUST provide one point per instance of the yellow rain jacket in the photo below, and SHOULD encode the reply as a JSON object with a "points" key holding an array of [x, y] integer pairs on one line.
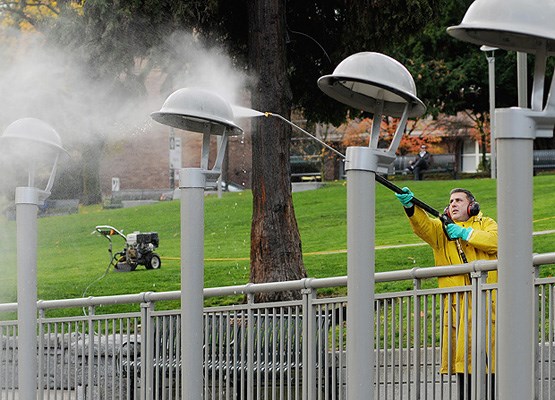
{"points": [[481, 245]]}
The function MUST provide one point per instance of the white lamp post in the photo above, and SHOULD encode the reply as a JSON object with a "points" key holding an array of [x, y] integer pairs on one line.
{"points": [[378, 84], [490, 56], [40, 147], [195, 110], [523, 27]]}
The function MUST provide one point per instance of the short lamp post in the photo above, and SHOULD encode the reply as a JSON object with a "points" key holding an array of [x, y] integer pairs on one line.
{"points": [[490, 56], [195, 110], [39, 145], [378, 84], [525, 27]]}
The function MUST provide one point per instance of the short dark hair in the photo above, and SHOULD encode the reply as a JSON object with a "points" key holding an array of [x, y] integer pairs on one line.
{"points": [[469, 195]]}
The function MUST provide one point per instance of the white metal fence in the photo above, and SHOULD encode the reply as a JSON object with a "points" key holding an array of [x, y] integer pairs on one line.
{"points": [[289, 350]]}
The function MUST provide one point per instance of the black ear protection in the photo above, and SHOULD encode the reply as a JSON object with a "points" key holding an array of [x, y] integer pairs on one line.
{"points": [[473, 207]]}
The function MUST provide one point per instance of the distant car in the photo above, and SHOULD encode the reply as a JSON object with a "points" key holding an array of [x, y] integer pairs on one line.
{"points": [[168, 195], [228, 187], [232, 187]]}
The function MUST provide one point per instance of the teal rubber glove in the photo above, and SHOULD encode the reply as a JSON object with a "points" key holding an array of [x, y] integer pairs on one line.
{"points": [[405, 198], [458, 232]]}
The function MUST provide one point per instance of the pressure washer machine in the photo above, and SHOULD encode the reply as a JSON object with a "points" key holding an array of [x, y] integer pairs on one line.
{"points": [[138, 249]]}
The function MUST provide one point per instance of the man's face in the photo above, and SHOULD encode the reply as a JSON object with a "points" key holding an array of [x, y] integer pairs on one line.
{"points": [[458, 206]]}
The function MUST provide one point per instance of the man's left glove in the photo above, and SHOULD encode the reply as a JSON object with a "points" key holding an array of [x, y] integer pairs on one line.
{"points": [[406, 197], [458, 232]]}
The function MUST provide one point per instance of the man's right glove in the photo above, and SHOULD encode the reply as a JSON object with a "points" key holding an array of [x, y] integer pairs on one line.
{"points": [[406, 197], [455, 231]]}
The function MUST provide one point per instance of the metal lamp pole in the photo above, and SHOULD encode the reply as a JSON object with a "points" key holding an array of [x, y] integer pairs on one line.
{"points": [[378, 84], [527, 28], [361, 166], [516, 273], [192, 183], [39, 139], [195, 110], [27, 202], [490, 56]]}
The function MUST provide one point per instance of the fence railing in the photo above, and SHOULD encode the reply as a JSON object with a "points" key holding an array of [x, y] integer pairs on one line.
{"points": [[430, 343]]}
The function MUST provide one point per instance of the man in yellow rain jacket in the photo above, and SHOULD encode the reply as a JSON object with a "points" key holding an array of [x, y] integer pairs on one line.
{"points": [[478, 238]]}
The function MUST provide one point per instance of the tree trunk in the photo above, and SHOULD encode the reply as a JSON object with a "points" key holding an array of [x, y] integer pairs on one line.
{"points": [[276, 253]]}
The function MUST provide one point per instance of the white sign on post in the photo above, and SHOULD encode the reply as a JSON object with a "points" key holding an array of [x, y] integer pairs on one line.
{"points": [[115, 184], [175, 153], [175, 156]]}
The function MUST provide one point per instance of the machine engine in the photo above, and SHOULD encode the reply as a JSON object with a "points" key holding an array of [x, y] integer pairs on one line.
{"points": [[138, 250]]}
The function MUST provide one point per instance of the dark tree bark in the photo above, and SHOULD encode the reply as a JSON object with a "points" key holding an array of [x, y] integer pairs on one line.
{"points": [[276, 253]]}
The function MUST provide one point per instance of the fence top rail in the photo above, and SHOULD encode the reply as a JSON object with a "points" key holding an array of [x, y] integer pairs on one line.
{"points": [[252, 288]]}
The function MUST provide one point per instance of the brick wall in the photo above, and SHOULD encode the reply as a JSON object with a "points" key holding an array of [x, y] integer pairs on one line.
{"points": [[141, 161]]}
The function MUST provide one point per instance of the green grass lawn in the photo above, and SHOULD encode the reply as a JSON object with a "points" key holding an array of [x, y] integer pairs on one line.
{"points": [[72, 256]]}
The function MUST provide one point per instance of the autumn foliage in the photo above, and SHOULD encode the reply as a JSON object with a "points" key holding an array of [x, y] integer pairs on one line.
{"points": [[437, 134], [356, 132]]}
